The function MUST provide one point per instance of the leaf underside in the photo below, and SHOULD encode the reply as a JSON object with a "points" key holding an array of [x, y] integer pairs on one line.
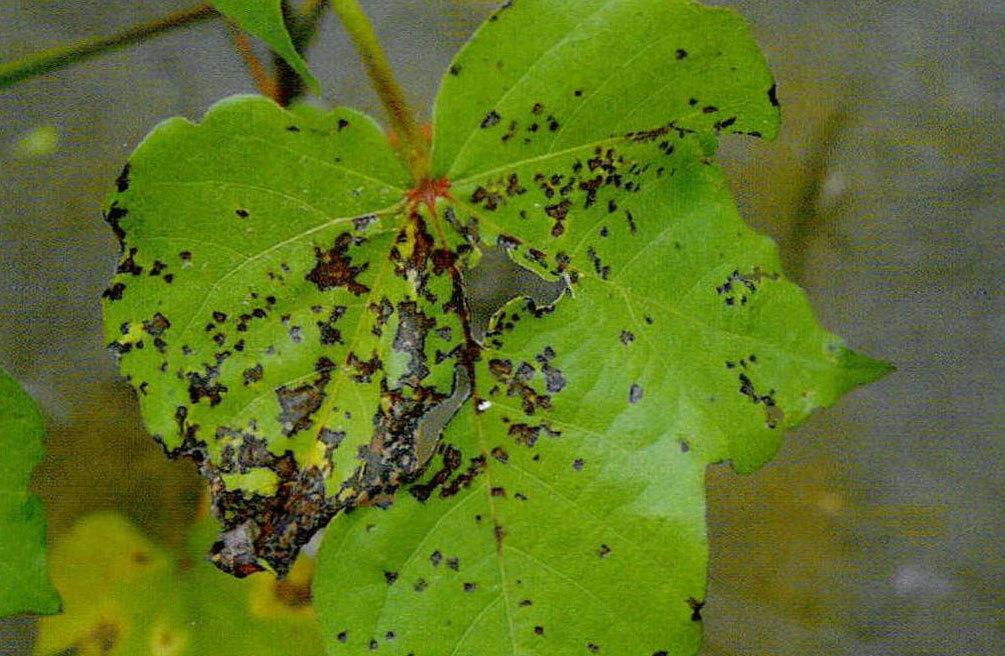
{"points": [[25, 584], [292, 311], [264, 19]]}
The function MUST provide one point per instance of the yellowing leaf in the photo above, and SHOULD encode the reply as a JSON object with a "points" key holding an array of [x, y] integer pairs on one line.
{"points": [[126, 596]]}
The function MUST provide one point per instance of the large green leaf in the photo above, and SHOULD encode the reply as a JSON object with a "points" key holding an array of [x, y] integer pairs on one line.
{"points": [[264, 19], [567, 515], [283, 313], [26, 587], [127, 596], [292, 311], [545, 78]]}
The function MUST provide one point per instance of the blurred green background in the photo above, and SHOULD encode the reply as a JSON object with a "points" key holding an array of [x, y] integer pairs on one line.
{"points": [[877, 529]]}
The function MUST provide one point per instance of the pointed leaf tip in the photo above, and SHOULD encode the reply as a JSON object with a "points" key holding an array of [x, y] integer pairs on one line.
{"points": [[264, 19]]}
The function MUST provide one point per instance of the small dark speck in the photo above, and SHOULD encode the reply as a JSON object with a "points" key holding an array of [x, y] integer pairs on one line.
{"points": [[435, 558], [390, 577], [490, 119], [681, 53], [603, 551], [696, 607], [593, 648], [342, 124], [693, 102], [684, 446], [389, 636], [292, 128], [342, 636], [373, 645], [241, 212], [578, 93], [455, 70], [578, 464], [709, 109], [470, 587], [539, 630], [122, 182]]}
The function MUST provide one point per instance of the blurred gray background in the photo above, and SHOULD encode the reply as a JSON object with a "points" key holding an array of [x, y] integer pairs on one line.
{"points": [[876, 530]]}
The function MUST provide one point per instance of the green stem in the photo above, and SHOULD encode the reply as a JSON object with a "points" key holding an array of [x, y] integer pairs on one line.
{"points": [[56, 58], [365, 39], [311, 12]]}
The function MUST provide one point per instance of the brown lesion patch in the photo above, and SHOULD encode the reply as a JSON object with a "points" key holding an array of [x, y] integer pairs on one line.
{"points": [[253, 374], [156, 325], [270, 528], [114, 292], [451, 458], [738, 286], [516, 381], [105, 635], [294, 593], [297, 405], [334, 268], [101, 639], [128, 264], [695, 607], [464, 479], [365, 369], [206, 385], [528, 435], [773, 415]]}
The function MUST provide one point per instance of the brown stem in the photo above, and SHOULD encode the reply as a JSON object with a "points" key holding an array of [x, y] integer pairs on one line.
{"points": [[266, 85]]}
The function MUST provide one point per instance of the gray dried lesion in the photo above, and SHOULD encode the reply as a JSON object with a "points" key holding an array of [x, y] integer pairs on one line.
{"points": [[298, 405], [420, 328]]}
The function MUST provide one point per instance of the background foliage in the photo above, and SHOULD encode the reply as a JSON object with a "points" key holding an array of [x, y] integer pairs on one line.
{"points": [[26, 587]]}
